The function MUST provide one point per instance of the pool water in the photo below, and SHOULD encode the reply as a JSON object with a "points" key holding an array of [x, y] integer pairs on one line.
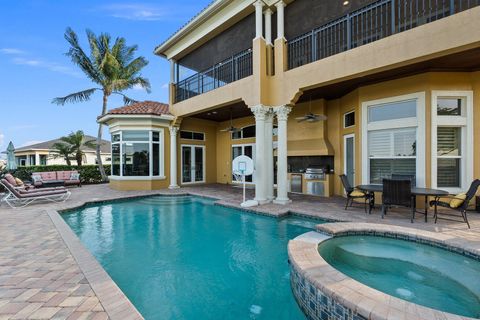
{"points": [[185, 258], [419, 273]]}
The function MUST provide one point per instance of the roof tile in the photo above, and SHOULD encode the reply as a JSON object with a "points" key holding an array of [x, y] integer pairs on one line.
{"points": [[143, 107]]}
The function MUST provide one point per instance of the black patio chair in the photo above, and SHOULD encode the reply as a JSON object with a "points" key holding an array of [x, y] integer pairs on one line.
{"points": [[410, 177], [353, 193], [462, 209], [397, 193]]}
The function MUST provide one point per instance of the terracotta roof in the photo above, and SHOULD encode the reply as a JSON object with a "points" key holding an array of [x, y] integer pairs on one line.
{"points": [[143, 107]]}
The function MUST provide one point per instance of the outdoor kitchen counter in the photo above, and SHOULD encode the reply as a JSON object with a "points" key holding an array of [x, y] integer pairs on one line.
{"points": [[326, 183]]}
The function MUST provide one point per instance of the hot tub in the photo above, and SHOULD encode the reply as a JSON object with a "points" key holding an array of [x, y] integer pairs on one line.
{"points": [[369, 271]]}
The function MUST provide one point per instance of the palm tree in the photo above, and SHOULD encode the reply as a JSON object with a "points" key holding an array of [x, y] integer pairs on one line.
{"points": [[78, 142], [113, 68], [62, 150]]}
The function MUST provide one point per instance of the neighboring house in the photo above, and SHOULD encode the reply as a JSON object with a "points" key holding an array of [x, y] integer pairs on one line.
{"points": [[41, 154], [397, 82]]}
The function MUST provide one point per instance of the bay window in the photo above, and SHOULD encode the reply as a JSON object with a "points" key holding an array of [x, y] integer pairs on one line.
{"points": [[137, 153], [393, 138], [452, 136]]}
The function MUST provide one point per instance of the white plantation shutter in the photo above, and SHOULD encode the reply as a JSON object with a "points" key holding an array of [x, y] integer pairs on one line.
{"points": [[392, 152], [449, 157], [448, 141]]}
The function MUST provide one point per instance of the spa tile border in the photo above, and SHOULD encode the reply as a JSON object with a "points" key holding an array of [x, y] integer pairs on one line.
{"points": [[323, 292], [113, 300], [438, 240]]}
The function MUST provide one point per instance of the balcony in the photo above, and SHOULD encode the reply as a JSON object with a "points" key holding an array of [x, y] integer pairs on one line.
{"points": [[371, 23], [235, 68]]}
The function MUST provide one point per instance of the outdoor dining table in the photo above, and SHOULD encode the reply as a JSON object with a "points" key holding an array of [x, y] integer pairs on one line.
{"points": [[416, 191]]}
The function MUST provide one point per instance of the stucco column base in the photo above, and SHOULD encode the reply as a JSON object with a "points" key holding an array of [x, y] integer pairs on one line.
{"points": [[282, 201], [173, 187]]}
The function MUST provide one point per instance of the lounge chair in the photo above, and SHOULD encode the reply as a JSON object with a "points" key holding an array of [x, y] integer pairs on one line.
{"points": [[16, 198], [457, 203], [22, 187], [397, 193], [353, 194]]}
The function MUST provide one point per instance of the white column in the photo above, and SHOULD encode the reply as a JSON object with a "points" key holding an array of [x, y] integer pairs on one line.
{"points": [[172, 71], [260, 113], [282, 169], [269, 155], [268, 26], [37, 159], [280, 19], [258, 19], [173, 158]]}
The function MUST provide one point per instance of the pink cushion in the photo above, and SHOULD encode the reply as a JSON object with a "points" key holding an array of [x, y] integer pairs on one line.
{"points": [[64, 175], [11, 179], [46, 176]]}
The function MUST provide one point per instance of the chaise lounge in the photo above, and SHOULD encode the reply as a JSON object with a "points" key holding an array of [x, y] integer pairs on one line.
{"points": [[18, 198]]}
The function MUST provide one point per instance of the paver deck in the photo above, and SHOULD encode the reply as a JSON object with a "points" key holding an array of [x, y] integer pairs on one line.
{"points": [[46, 273]]}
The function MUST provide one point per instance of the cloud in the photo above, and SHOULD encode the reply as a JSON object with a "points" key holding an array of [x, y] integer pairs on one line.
{"points": [[138, 87], [148, 12], [13, 51], [29, 143], [2, 139], [165, 86], [136, 11], [52, 66]]}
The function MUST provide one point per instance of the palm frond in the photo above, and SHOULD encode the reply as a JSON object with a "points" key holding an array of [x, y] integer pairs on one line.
{"points": [[78, 57], [80, 96], [126, 99]]}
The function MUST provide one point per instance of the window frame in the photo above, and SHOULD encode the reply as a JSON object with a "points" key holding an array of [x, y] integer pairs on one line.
{"points": [[241, 133], [150, 142], [418, 122], [192, 132], [464, 121], [344, 120]]}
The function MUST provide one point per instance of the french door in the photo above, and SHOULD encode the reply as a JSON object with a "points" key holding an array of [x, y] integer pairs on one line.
{"points": [[193, 164], [349, 158], [244, 150]]}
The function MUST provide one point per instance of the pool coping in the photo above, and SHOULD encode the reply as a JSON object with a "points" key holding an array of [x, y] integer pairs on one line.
{"points": [[312, 276]]}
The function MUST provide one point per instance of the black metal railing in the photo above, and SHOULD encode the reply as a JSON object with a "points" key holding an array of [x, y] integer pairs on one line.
{"points": [[373, 22], [235, 68]]}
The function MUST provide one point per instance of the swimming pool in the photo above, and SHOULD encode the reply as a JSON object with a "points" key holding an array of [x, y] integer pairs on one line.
{"points": [[185, 258], [419, 273]]}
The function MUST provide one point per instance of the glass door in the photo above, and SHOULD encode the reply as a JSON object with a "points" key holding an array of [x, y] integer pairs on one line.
{"points": [[244, 150], [193, 164], [198, 160], [349, 154]]}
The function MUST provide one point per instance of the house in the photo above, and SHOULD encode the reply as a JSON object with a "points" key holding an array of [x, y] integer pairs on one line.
{"points": [[42, 154], [360, 87]]}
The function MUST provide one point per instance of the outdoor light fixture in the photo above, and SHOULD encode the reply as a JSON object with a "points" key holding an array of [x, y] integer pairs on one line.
{"points": [[346, 2]]}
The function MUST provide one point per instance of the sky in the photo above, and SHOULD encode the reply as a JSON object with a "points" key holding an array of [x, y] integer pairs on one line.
{"points": [[34, 68]]}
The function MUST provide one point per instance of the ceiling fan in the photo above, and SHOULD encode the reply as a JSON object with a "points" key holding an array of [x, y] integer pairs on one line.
{"points": [[311, 117], [230, 129]]}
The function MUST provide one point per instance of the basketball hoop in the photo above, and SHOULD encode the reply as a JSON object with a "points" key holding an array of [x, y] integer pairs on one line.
{"points": [[242, 166]]}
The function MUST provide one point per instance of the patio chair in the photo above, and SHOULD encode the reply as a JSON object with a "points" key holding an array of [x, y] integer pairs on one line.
{"points": [[457, 203], [410, 177], [397, 193], [353, 194], [16, 198]]}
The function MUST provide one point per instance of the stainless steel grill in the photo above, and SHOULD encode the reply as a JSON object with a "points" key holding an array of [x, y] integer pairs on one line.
{"points": [[315, 174]]}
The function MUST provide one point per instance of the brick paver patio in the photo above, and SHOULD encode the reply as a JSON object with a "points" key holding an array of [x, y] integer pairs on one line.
{"points": [[46, 273]]}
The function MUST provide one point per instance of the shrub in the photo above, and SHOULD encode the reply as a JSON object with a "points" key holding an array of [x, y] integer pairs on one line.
{"points": [[88, 174]]}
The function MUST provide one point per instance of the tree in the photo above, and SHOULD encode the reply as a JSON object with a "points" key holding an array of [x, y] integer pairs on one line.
{"points": [[78, 142], [62, 150], [114, 68]]}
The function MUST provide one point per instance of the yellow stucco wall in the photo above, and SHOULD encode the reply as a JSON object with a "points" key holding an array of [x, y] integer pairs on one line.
{"points": [[210, 143]]}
